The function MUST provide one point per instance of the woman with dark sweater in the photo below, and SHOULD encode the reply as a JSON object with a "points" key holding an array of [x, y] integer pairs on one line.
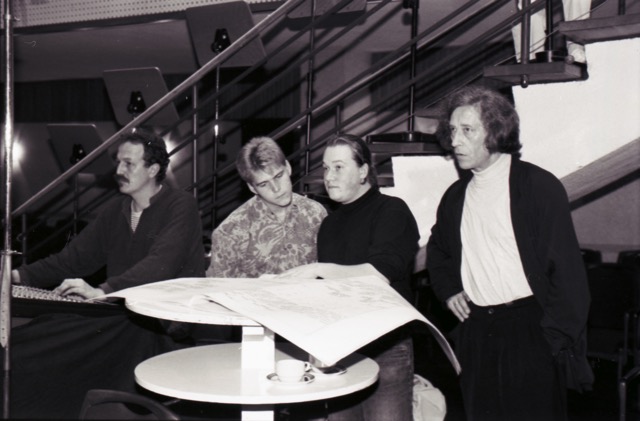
{"points": [[368, 234]]}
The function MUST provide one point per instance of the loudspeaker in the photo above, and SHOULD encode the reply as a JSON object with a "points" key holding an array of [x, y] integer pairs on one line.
{"points": [[73, 141], [214, 27], [131, 91]]}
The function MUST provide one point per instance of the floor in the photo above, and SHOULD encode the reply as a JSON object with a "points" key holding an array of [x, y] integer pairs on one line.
{"points": [[597, 405], [601, 404]]}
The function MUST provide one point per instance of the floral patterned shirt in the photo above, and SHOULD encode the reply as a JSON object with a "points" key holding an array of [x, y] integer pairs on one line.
{"points": [[252, 242]]}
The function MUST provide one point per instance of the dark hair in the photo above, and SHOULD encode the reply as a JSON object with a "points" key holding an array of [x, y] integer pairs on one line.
{"points": [[498, 116], [257, 155], [359, 151], [155, 150]]}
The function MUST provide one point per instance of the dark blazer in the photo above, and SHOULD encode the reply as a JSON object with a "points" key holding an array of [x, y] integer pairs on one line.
{"points": [[549, 252]]}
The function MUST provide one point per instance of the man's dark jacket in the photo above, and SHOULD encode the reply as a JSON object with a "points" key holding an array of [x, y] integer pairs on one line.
{"points": [[550, 257]]}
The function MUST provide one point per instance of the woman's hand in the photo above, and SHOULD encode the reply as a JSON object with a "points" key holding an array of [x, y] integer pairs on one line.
{"points": [[332, 271], [310, 271], [458, 304]]}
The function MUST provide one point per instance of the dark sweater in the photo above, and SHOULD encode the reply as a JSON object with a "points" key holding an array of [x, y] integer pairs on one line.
{"points": [[167, 244], [375, 229]]}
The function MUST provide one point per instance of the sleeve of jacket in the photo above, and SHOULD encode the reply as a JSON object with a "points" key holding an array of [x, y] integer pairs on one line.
{"points": [[394, 241], [84, 255], [444, 271], [567, 296]]}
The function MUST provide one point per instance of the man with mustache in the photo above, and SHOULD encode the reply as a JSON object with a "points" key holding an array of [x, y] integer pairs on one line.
{"points": [[151, 232]]}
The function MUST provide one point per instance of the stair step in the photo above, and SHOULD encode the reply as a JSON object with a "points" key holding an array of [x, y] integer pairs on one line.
{"points": [[402, 137], [388, 145], [557, 71], [384, 180], [406, 148], [405, 143], [601, 29]]}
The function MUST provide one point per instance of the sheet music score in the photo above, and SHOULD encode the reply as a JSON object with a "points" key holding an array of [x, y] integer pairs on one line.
{"points": [[329, 318]]}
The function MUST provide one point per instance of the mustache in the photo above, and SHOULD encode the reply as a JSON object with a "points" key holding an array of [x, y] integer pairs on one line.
{"points": [[120, 178]]}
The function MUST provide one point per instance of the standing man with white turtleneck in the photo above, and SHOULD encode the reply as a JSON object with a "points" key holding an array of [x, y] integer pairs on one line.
{"points": [[504, 258]]}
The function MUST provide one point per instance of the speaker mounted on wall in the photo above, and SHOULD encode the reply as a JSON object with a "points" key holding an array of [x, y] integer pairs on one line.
{"points": [[215, 27]]}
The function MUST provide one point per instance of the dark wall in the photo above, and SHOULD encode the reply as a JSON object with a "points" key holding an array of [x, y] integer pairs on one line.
{"points": [[62, 101]]}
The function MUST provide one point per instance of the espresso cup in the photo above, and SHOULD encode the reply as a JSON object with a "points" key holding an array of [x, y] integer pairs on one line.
{"points": [[291, 371]]}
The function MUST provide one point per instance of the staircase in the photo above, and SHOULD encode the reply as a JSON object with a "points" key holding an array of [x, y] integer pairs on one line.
{"points": [[373, 101]]}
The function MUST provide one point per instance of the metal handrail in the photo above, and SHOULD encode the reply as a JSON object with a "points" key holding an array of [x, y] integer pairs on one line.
{"points": [[424, 39], [5, 257], [162, 102], [364, 78], [373, 73]]}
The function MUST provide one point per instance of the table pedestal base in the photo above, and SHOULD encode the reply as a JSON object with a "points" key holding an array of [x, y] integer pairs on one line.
{"points": [[258, 352], [218, 374], [257, 413], [258, 349]]}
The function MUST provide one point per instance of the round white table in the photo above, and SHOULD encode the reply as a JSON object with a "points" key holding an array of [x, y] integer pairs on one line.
{"points": [[199, 310], [215, 373], [236, 373], [258, 349]]}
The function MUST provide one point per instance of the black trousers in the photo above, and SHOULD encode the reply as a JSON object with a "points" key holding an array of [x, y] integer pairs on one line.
{"points": [[57, 358], [508, 371]]}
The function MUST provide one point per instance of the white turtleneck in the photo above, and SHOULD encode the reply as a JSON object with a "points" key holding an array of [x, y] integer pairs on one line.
{"points": [[491, 269]]}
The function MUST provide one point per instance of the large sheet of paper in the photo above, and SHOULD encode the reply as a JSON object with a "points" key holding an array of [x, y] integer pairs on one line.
{"points": [[328, 318]]}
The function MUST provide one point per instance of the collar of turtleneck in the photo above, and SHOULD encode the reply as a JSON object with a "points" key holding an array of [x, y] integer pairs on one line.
{"points": [[347, 207], [499, 170]]}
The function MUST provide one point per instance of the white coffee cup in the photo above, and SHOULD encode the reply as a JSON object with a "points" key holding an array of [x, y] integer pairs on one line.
{"points": [[290, 370]]}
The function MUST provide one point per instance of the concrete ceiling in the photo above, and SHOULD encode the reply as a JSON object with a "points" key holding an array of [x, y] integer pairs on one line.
{"points": [[84, 51]]}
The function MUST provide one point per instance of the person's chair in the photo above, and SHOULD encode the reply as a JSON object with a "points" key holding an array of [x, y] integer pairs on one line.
{"points": [[611, 335], [629, 258], [630, 261], [104, 404], [591, 258]]}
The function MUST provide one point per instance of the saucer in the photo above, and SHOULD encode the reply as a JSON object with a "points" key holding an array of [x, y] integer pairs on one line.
{"points": [[333, 370], [307, 378]]}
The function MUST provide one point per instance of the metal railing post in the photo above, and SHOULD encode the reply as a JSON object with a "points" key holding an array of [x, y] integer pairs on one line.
{"points": [[414, 5], [194, 145], [8, 139], [310, 79], [548, 42]]}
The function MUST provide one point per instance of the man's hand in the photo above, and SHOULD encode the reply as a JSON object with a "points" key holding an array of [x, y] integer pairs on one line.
{"points": [[77, 286], [458, 306], [15, 277]]}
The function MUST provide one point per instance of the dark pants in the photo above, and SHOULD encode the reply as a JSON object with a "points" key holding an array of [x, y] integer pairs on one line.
{"points": [[390, 399], [57, 358], [508, 372]]}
